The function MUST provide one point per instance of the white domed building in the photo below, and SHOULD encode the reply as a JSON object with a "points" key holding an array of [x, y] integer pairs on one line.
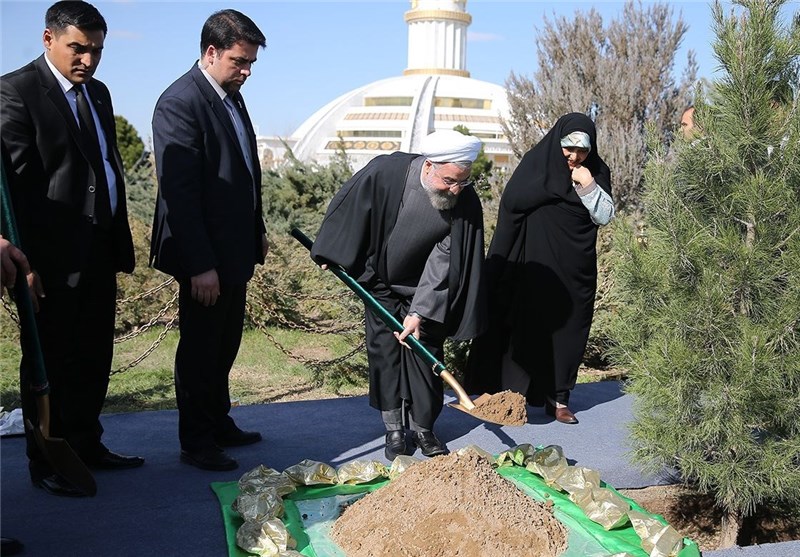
{"points": [[434, 93]]}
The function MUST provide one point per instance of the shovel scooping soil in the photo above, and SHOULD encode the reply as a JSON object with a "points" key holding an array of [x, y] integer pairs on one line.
{"points": [[504, 408]]}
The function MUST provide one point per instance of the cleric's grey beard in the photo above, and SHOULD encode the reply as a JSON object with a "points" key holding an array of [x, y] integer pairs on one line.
{"points": [[442, 200]]}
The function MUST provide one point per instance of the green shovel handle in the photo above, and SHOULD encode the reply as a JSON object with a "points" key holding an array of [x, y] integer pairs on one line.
{"points": [[27, 317], [377, 308]]}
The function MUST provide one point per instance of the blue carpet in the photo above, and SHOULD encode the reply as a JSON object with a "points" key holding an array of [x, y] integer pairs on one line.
{"points": [[167, 508]]}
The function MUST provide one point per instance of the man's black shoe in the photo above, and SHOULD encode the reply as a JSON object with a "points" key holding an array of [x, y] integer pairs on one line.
{"points": [[395, 444], [428, 443], [114, 461], [209, 459], [237, 438], [56, 485]]}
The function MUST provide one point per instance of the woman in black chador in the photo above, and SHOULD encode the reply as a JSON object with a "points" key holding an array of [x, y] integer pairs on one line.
{"points": [[542, 270]]}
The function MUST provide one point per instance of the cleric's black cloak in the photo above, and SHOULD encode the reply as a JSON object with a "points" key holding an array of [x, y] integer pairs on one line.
{"points": [[361, 216]]}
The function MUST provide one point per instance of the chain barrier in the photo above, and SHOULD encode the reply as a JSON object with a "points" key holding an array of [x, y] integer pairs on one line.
{"points": [[136, 332], [292, 325], [11, 311], [146, 293], [301, 296], [150, 350], [313, 363]]}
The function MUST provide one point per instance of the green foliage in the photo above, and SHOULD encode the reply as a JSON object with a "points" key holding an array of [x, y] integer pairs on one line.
{"points": [[135, 308], [141, 186], [605, 303], [131, 146], [481, 167], [298, 193], [709, 320], [139, 169]]}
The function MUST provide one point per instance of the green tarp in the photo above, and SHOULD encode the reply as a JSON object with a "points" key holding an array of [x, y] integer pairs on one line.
{"points": [[586, 538]]}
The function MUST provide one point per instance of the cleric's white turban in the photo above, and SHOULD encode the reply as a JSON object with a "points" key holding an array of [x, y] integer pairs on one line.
{"points": [[450, 146]]}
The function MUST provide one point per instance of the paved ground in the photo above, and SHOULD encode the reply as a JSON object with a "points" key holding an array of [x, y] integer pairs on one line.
{"points": [[167, 508]]}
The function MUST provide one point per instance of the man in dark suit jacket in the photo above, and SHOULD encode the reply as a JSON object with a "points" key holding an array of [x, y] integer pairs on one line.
{"points": [[66, 181], [208, 230]]}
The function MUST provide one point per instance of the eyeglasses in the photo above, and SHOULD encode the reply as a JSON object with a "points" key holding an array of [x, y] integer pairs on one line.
{"points": [[450, 183]]}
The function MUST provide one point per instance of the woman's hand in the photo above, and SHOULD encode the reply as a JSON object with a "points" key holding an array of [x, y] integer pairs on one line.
{"points": [[582, 176]]}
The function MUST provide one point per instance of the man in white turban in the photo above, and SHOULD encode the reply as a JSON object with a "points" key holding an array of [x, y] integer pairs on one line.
{"points": [[409, 229], [450, 146]]}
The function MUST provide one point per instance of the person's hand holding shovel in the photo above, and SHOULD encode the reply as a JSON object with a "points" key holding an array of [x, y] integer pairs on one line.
{"points": [[411, 325]]}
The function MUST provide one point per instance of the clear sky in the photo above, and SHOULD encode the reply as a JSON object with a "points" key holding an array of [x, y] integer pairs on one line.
{"points": [[316, 50]]}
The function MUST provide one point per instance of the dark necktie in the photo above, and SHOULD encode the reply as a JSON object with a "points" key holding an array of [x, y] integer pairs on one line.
{"points": [[238, 125], [102, 200]]}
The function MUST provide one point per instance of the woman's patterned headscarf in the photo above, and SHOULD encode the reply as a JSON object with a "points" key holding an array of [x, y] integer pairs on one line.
{"points": [[578, 139]]}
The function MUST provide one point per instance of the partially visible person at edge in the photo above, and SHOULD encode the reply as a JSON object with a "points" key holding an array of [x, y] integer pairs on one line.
{"points": [[65, 176], [11, 258], [208, 230], [409, 229], [687, 123], [542, 270]]}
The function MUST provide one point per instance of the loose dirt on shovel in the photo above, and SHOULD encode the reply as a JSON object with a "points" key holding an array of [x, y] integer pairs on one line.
{"points": [[505, 407], [454, 505]]}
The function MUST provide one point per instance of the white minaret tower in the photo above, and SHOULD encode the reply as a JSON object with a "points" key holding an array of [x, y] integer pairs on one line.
{"points": [[437, 37]]}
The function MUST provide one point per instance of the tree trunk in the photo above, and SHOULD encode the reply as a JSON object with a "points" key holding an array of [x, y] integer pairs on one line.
{"points": [[731, 523]]}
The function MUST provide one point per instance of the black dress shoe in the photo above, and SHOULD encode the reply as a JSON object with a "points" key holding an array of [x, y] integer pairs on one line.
{"points": [[563, 415], [209, 459], [237, 438], [428, 443], [56, 485], [114, 461], [10, 546], [395, 444]]}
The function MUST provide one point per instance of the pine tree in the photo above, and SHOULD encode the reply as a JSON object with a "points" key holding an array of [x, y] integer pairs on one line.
{"points": [[709, 325], [297, 194], [131, 146]]}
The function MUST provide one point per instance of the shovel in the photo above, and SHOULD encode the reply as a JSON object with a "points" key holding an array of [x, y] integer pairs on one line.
{"points": [[59, 454], [465, 404]]}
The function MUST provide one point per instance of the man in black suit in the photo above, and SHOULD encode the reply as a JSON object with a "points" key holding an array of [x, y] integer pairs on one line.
{"points": [[208, 230], [65, 176]]}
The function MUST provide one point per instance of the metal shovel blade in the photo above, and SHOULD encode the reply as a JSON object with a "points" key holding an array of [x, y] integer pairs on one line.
{"points": [[499, 411], [485, 397], [64, 461], [471, 407]]}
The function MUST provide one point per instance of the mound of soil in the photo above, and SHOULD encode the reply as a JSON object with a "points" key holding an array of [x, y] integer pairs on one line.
{"points": [[433, 508], [505, 407]]}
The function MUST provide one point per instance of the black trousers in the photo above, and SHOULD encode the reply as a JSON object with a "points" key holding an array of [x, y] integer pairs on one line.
{"points": [[396, 374], [209, 343], [76, 334]]}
